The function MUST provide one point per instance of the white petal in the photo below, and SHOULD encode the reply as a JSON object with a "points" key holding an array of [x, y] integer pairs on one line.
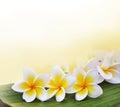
{"points": [[79, 70], [97, 91], [70, 90], [73, 89], [104, 75], [57, 70], [107, 61], [60, 95], [117, 67], [29, 95], [97, 77], [41, 94], [93, 63], [18, 86], [115, 79], [81, 95], [51, 92], [71, 79], [29, 75], [42, 80], [57, 75], [100, 79]]}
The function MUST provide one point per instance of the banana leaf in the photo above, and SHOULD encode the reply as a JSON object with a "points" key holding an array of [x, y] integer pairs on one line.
{"points": [[110, 98]]}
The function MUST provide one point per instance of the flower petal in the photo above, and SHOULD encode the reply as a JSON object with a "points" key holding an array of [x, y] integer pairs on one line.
{"points": [[80, 78], [115, 79], [20, 86], [51, 92], [60, 95], [73, 89], [41, 93], [94, 91], [93, 77], [52, 84], [107, 61], [29, 95], [78, 71], [103, 74], [80, 75], [42, 80], [93, 63], [82, 94], [117, 67], [29, 75], [57, 74], [68, 81], [65, 83]]}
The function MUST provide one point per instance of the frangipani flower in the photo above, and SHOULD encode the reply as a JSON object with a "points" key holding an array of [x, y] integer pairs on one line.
{"points": [[32, 86], [58, 84], [86, 85], [110, 70]]}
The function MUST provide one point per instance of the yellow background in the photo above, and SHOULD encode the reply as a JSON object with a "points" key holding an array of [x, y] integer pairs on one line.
{"points": [[39, 34]]}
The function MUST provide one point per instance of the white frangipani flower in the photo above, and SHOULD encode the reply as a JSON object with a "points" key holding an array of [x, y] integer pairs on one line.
{"points": [[32, 86], [58, 84], [110, 70], [86, 84]]}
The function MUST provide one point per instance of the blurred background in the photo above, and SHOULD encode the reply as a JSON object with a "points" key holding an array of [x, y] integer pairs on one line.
{"points": [[42, 33]]}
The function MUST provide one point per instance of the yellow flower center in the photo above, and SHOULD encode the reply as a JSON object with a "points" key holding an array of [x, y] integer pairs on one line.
{"points": [[32, 86], [59, 87], [84, 86]]}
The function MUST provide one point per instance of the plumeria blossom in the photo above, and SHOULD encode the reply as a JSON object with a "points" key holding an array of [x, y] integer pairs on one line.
{"points": [[86, 84], [59, 83], [110, 70], [32, 86]]}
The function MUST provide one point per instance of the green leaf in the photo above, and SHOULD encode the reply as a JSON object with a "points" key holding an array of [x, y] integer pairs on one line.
{"points": [[110, 98]]}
